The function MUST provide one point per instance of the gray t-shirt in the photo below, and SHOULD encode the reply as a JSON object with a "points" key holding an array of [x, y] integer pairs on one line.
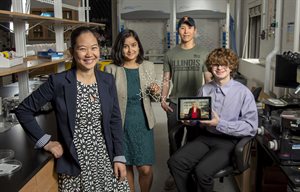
{"points": [[186, 67]]}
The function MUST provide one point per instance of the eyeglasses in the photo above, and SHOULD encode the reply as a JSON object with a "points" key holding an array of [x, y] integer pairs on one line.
{"points": [[215, 66]]}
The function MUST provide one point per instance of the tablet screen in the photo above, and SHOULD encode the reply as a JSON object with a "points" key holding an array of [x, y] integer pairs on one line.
{"points": [[194, 108]]}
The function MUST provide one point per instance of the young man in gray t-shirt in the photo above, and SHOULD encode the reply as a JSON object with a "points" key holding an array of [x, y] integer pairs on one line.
{"points": [[184, 66]]}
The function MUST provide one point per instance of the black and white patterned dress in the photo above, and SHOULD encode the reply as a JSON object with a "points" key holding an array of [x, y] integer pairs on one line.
{"points": [[96, 170]]}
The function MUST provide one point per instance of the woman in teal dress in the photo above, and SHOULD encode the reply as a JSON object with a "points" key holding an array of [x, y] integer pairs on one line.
{"points": [[135, 82]]}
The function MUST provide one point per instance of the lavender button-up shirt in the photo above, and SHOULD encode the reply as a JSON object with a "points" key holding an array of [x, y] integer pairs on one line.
{"points": [[236, 107]]}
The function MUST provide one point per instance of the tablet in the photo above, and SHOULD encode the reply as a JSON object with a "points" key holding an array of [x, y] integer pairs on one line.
{"points": [[194, 108]]}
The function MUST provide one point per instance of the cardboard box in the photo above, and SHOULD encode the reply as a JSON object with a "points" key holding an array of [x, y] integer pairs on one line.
{"points": [[5, 80], [6, 63], [51, 55]]}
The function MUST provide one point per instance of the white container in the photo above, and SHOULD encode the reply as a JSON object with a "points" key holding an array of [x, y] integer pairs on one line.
{"points": [[6, 63]]}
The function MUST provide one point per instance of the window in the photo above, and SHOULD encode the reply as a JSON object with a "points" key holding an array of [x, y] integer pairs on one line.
{"points": [[254, 31]]}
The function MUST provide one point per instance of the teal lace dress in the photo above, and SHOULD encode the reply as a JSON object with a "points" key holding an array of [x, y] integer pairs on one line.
{"points": [[139, 142]]}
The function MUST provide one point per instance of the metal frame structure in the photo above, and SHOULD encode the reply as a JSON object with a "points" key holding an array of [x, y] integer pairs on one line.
{"points": [[20, 39], [20, 44]]}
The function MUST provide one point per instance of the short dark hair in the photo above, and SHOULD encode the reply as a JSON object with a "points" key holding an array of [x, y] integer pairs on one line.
{"points": [[76, 33], [117, 49], [223, 56]]}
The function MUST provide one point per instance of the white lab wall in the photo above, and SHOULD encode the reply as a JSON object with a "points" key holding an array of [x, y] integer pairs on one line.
{"points": [[266, 45], [214, 5], [208, 33], [140, 5], [151, 33], [289, 17], [255, 73], [164, 5], [232, 8]]}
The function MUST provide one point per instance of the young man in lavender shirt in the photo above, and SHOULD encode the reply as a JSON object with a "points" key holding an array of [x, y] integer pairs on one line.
{"points": [[234, 116]]}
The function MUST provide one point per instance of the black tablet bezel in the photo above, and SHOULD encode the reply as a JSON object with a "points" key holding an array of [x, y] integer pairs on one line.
{"points": [[182, 100]]}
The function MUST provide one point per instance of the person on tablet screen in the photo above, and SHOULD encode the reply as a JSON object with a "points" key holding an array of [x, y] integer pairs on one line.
{"points": [[234, 115], [194, 111]]}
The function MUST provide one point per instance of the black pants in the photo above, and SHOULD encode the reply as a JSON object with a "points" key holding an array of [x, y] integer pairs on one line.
{"points": [[203, 157], [176, 130]]}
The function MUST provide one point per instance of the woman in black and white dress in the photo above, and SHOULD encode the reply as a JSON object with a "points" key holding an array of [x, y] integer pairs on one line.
{"points": [[89, 147]]}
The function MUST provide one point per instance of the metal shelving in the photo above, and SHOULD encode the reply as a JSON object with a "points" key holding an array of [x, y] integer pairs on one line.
{"points": [[30, 18], [19, 20], [29, 65]]}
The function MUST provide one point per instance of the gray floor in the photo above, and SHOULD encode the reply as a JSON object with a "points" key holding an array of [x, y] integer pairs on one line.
{"points": [[160, 168]]}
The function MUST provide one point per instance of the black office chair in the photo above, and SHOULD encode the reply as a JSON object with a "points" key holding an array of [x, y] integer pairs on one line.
{"points": [[241, 159], [256, 92]]}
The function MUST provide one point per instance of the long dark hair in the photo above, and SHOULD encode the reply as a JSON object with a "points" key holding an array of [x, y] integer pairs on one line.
{"points": [[76, 33], [117, 49]]}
